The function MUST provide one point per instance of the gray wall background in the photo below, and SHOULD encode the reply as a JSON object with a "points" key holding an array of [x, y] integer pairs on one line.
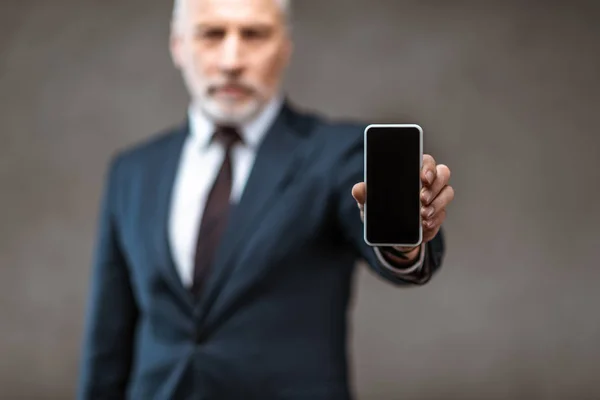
{"points": [[507, 93]]}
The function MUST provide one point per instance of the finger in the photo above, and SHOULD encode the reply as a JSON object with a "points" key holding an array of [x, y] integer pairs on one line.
{"points": [[434, 224], [439, 203], [441, 180], [428, 170], [359, 192]]}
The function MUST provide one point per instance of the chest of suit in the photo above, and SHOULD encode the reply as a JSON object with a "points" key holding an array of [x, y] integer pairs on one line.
{"points": [[283, 217]]}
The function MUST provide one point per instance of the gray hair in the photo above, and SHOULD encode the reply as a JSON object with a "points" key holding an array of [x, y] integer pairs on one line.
{"points": [[285, 5]]}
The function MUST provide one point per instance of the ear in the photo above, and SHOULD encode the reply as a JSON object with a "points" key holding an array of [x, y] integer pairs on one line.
{"points": [[175, 47], [288, 51]]}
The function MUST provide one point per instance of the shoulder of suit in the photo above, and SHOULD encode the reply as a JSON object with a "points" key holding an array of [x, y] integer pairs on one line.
{"points": [[326, 129], [152, 147]]}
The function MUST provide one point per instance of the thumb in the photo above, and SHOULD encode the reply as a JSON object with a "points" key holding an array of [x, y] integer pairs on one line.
{"points": [[359, 192]]}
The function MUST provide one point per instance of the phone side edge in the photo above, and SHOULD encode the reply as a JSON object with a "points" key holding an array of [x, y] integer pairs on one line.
{"points": [[420, 129], [365, 181]]}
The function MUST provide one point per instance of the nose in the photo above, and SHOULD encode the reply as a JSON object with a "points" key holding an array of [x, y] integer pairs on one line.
{"points": [[231, 55]]}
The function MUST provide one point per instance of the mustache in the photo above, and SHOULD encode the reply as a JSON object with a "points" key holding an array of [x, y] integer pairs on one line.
{"points": [[237, 84]]}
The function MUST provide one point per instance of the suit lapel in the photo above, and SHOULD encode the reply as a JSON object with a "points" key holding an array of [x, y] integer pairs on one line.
{"points": [[165, 174], [275, 166]]}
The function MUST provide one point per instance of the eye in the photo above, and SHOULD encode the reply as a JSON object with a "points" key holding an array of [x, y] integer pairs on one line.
{"points": [[211, 34], [256, 33]]}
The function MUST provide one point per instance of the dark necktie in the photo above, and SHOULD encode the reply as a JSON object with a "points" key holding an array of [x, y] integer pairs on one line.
{"points": [[216, 211]]}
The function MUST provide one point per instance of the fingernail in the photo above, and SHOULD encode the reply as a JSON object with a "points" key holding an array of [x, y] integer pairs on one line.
{"points": [[426, 196], [427, 211], [429, 176]]}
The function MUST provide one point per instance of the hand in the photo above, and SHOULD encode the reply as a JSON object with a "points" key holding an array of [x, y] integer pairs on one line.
{"points": [[435, 196]]}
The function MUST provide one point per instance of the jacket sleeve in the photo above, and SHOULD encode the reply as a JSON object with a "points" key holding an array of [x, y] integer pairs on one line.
{"points": [[350, 170], [111, 310]]}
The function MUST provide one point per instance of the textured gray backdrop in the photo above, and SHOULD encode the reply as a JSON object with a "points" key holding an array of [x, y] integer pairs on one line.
{"points": [[507, 93]]}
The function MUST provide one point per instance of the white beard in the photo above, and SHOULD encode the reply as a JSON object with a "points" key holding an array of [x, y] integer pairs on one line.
{"points": [[219, 113]]}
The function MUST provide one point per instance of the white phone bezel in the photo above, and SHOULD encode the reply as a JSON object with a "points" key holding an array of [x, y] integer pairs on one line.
{"points": [[420, 240]]}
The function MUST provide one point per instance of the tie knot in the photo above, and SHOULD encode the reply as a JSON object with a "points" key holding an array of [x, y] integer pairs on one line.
{"points": [[227, 135]]}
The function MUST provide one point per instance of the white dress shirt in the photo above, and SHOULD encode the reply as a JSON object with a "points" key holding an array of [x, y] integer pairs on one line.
{"points": [[199, 164]]}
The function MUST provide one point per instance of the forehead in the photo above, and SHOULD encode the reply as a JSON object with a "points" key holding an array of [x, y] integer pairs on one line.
{"points": [[243, 11]]}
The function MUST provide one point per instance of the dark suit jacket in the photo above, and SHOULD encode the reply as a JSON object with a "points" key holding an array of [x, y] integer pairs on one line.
{"points": [[271, 322]]}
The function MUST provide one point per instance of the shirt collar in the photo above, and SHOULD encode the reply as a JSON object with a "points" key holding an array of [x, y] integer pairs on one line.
{"points": [[201, 128]]}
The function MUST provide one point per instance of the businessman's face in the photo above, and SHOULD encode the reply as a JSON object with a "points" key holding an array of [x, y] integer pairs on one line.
{"points": [[232, 55]]}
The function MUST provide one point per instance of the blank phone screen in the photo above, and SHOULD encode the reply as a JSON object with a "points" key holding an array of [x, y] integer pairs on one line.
{"points": [[392, 171]]}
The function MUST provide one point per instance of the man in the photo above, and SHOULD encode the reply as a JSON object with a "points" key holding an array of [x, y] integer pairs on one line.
{"points": [[226, 246]]}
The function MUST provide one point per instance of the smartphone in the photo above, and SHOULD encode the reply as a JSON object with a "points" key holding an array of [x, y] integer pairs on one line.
{"points": [[393, 156]]}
